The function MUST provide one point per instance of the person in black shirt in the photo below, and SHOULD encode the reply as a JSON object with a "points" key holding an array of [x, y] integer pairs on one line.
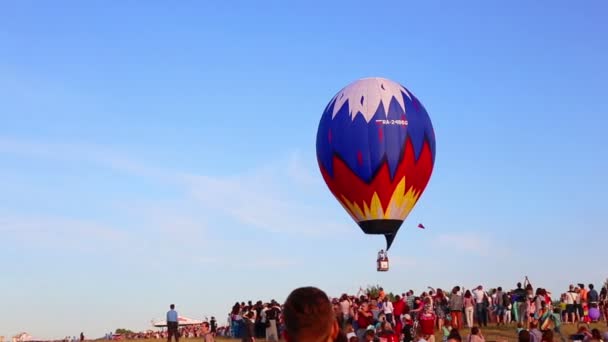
{"points": [[213, 326], [519, 303], [248, 332], [593, 297]]}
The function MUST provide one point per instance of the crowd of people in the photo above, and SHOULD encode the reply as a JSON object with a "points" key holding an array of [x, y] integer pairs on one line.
{"points": [[533, 313], [417, 317], [259, 320]]}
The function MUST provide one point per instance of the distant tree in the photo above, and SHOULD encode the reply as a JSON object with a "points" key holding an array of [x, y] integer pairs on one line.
{"points": [[373, 291], [123, 331]]}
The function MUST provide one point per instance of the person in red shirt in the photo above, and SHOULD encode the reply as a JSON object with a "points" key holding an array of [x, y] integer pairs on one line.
{"points": [[398, 310], [365, 318], [427, 323]]}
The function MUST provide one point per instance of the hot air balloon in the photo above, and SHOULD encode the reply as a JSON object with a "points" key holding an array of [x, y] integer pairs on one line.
{"points": [[376, 151]]}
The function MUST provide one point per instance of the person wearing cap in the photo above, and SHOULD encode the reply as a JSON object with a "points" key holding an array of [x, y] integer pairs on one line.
{"points": [[309, 317]]}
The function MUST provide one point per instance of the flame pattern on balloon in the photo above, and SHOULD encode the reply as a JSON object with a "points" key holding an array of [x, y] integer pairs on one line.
{"points": [[399, 206], [378, 158]]}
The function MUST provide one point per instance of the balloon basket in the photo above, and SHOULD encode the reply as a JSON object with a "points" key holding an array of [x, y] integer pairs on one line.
{"points": [[383, 265]]}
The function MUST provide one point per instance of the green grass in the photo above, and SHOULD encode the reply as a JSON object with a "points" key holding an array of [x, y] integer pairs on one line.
{"points": [[491, 333]]}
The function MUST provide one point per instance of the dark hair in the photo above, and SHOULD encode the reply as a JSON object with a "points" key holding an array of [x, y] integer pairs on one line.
{"points": [[467, 294], [524, 336], [172, 306], [591, 286], [341, 337], [500, 288], [308, 314], [547, 336], [454, 335], [474, 330], [206, 324]]}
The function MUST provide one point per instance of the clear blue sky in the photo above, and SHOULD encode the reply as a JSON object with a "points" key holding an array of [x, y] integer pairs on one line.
{"points": [[165, 153]]}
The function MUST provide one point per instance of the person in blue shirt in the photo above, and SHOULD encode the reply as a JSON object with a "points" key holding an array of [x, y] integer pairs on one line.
{"points": [[172, 324]]}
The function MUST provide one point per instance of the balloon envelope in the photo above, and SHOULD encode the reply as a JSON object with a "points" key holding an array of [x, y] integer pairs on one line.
{"points": [[376, 151]]}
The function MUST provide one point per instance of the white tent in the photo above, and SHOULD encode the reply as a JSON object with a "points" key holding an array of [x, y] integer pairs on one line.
{"points": [[181, 320], [22, 337]]}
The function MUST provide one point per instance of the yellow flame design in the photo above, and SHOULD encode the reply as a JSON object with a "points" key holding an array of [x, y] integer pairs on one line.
{"points": [[399, 206]]}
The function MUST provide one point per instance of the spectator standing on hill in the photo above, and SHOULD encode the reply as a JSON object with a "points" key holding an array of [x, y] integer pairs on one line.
{"points": [[469, 308], [213, 325], [499, 303], [593, 297], [481, 310], [248, 331], [172, 324], [519, 303], [388, 308], [456, 306], [272, 316]]}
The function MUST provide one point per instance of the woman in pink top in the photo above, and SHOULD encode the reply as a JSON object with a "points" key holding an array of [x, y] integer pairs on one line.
{"points": [[469, 308]]}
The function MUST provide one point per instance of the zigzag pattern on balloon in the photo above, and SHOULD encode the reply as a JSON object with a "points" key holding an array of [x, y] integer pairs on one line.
{"points": [[385, 197]]}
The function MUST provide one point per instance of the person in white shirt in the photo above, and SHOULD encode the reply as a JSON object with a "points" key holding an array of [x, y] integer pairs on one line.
{"points": [[481, 309], [387, 308], [571, 297]]}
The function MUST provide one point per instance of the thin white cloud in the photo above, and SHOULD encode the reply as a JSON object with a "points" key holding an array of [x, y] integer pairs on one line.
{"points": [[249, 262], [403, 262], [82, 153], [267, 197], [57, 232], [465, 242], [301, 171], [473, 243], [256, 202]]}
